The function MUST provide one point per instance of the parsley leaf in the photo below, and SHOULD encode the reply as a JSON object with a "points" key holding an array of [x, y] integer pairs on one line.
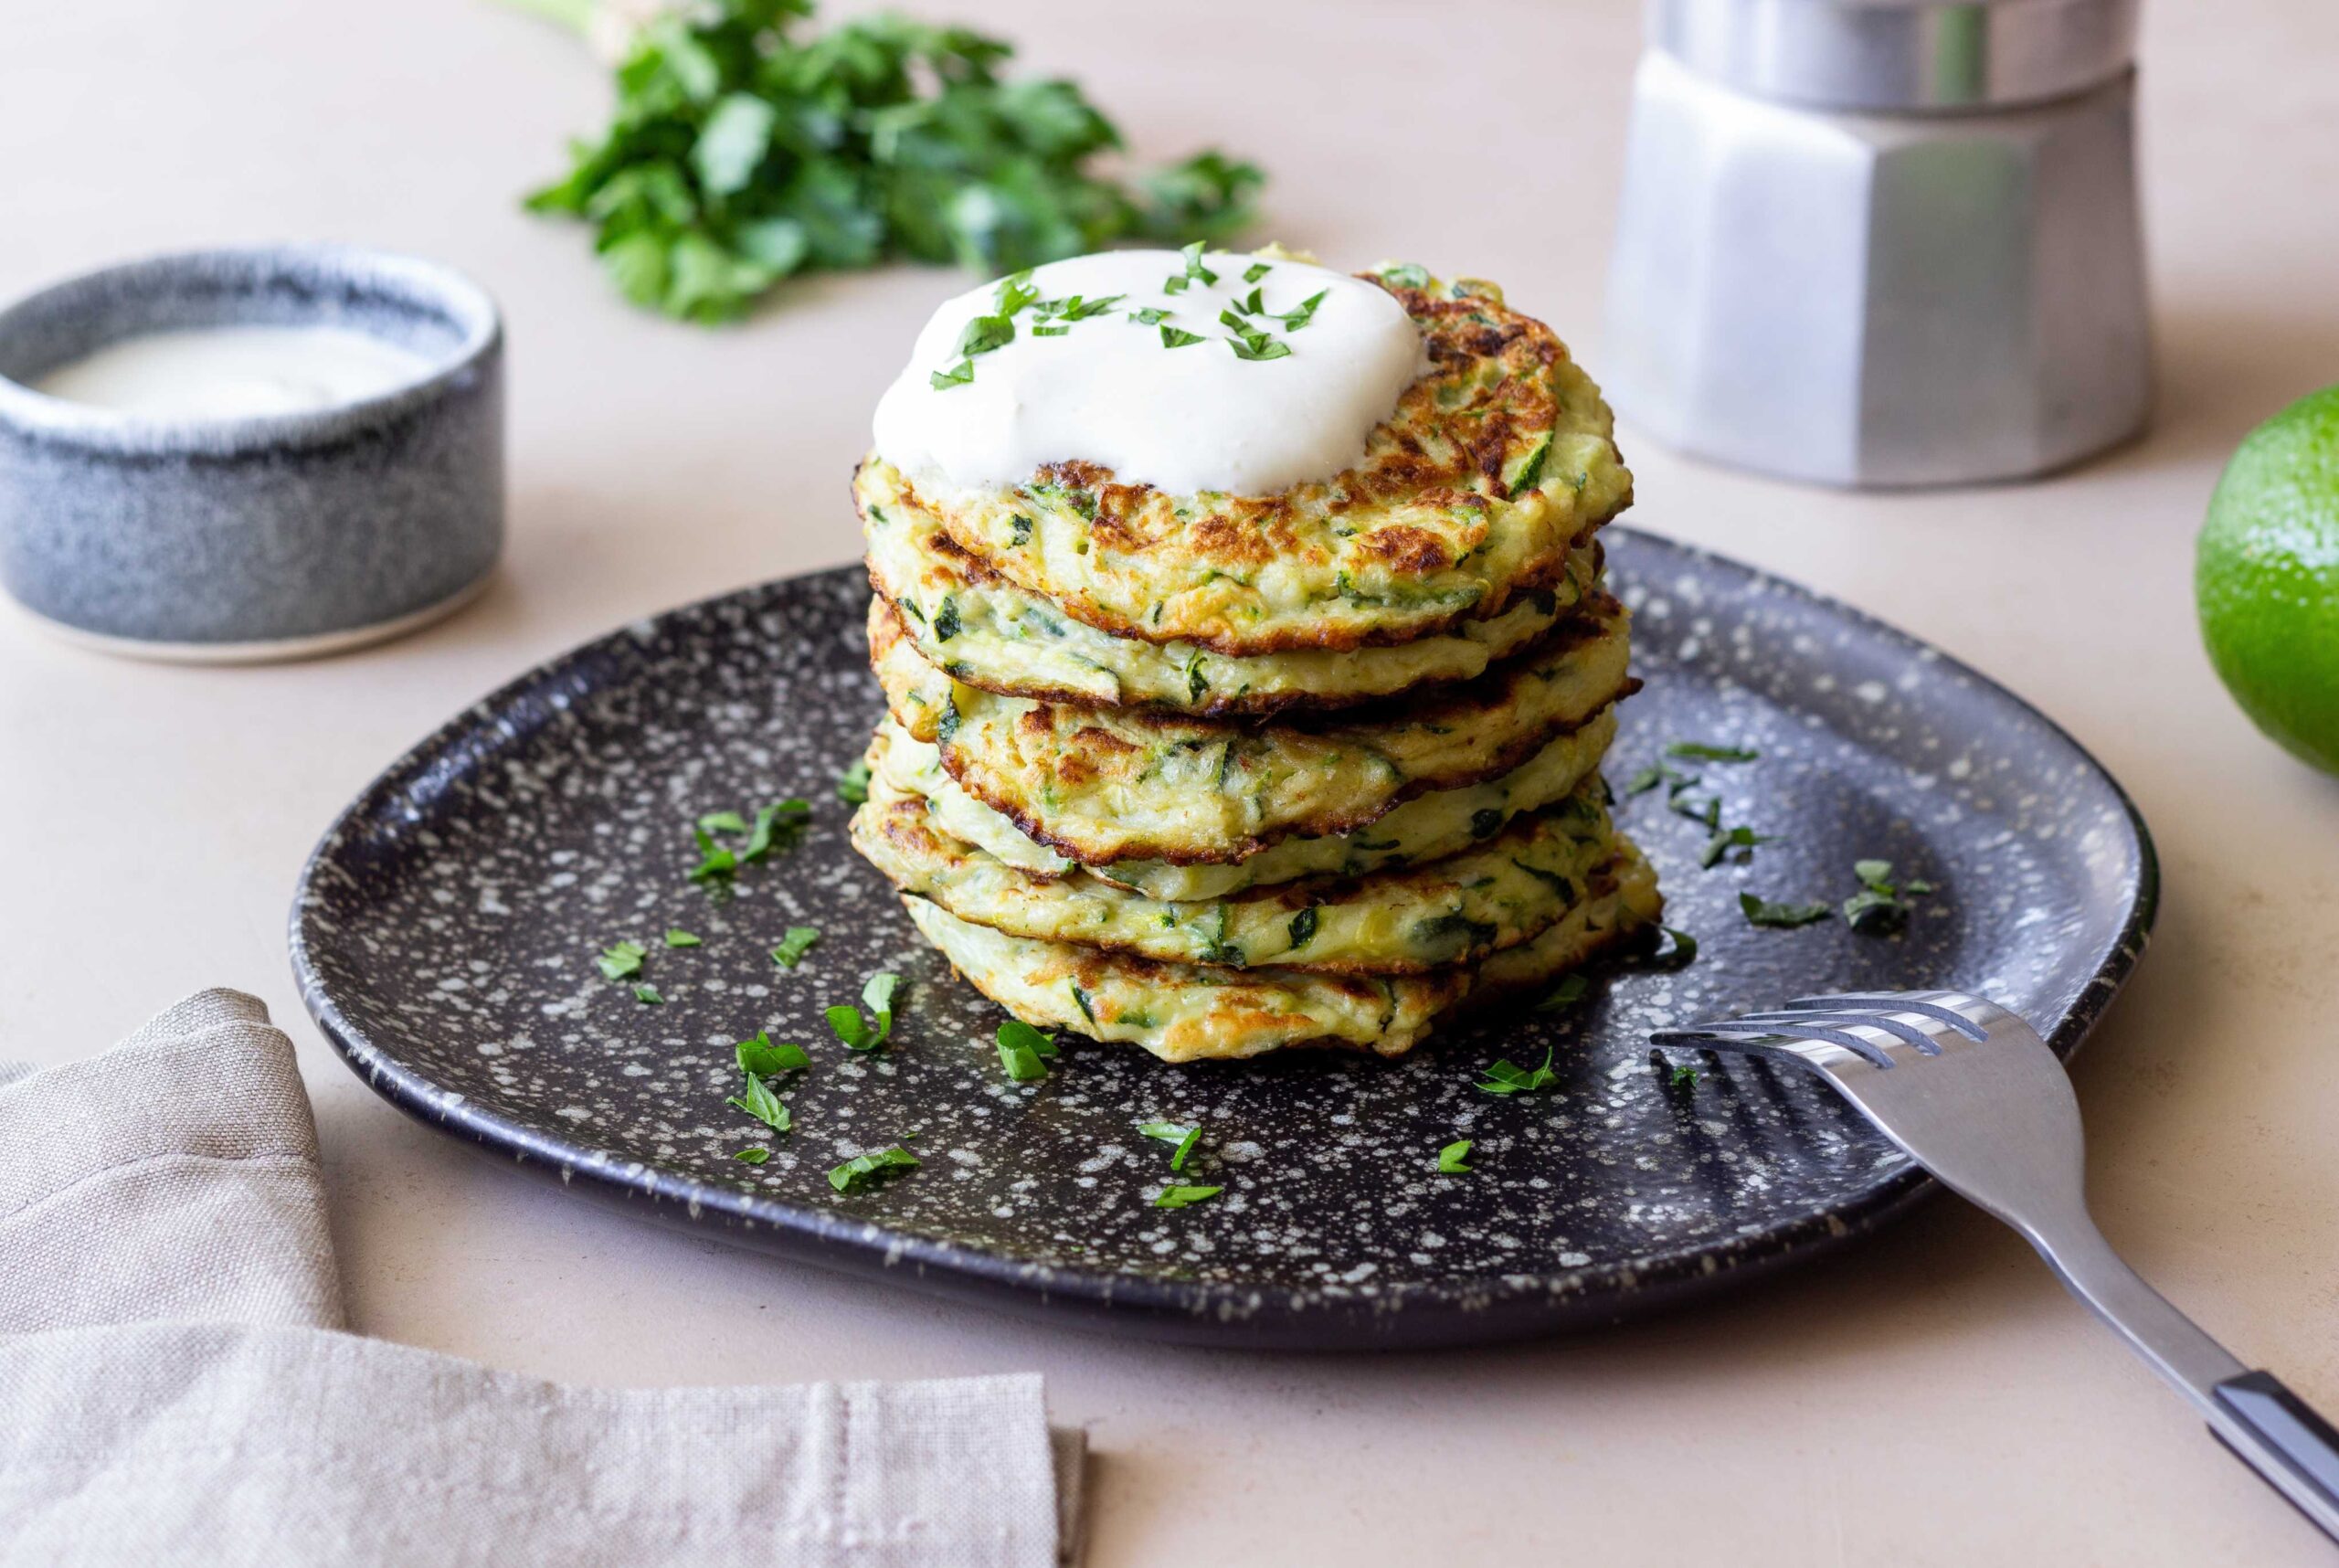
{"points": [[1762, 912], [1185, 1197], [723, 822], [621, 959], [852, 784], [1701, 751], [1303, 313], [759, 1058], [714, 860], [646, 992], [852, 1028], [754, 1156], [746, 148], [1259, 347], [1727, 839], [1258, 270], [957, 375], [1506, 1077], [792, 947], [1023, 1051], [1151, 315], [1450, 1158], [1195, 270], [757, 1100], [781, 823], [1178, 338], [677, 937], [1185, 1137], [865, 1170]]}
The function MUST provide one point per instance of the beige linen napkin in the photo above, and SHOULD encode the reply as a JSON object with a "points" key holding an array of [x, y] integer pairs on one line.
{"points": [[174, 1388]]}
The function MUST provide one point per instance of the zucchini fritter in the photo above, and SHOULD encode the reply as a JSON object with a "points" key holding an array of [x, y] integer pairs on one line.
{"points": [[984, 629], [1493, 467], [1184, 1012]]}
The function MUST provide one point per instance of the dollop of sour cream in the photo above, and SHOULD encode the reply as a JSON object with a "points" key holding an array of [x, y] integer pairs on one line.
{"points": [[235, 371], [1109, 389]]}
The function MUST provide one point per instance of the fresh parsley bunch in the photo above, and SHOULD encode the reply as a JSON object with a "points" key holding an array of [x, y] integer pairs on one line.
{"points": [[742, 153]]}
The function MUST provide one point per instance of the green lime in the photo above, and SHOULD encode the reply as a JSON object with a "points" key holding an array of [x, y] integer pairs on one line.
{"points": [[2266, 576]]}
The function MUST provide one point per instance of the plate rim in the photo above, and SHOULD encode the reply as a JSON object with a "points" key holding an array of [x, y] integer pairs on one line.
{"points": [[1277, 1314]]}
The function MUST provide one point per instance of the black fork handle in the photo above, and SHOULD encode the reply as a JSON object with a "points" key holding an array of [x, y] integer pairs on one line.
{"points": [[2279, 1436]]}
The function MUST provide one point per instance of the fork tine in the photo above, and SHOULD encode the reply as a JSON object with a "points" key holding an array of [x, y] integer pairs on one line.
{"points": [[1799, 1021], [1924, 1003], [1740, 1032]]}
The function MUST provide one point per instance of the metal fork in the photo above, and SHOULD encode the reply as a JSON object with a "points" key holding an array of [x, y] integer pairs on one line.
{"points": [[1973, 1094]]}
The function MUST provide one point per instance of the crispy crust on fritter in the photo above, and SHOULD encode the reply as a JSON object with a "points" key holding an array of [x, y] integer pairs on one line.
{"points": [[1506, 889], [1493, 467], [1076, 748], [1215, 1014], [1256, 685]]}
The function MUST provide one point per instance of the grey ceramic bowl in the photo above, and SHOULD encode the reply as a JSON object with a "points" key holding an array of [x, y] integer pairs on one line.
{"points": [[275, 537]]}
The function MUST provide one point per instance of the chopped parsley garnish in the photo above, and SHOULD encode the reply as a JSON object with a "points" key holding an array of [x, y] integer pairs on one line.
{"points": [[780, 824], [985, 334], [757, 1100], [957, 375], [759, 1058], [1042, 330], [1185, 1197], [1023, 1051], [755, 1156], [1406, 275], [1195, 270], [723, 822], [1727, 839], [852, 1028], [1702, 751], [1151, 315], [794, 945], [1881, 907], [1508, 1077], [1677, 1077], [1185, 1137], [1256, 270], [677, 937], [1763, 912], [1564, 995], [863, 1170], [852, 784], [646, 992], [1015, 292], [622, 960], [1259, 347], [714, 860], [1303, 313], [1178, 338], [1680, 956], [1450, 1158]]}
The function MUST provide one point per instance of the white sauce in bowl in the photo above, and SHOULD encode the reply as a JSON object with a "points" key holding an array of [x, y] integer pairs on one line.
{"points": [[235, 371], [1107, 390]]}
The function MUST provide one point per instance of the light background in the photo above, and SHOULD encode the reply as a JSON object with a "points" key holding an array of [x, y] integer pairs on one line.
{"points": [[1931, 1397]]}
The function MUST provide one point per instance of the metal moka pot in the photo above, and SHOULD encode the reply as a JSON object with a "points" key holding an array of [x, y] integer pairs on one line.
{"points": [[1882, 242]]}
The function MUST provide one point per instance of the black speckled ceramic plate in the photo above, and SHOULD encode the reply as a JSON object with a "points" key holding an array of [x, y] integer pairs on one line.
{"points": [[445, 933]]}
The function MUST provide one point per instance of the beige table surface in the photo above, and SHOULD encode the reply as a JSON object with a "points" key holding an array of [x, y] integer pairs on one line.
{"points": [[1931, 1397]]}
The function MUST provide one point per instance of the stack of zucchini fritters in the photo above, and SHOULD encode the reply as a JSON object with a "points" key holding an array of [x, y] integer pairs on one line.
{"points": [[1217, 774]]}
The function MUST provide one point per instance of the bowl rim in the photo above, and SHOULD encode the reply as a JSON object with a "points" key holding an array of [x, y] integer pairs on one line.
{"points": [[102, 431]]}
